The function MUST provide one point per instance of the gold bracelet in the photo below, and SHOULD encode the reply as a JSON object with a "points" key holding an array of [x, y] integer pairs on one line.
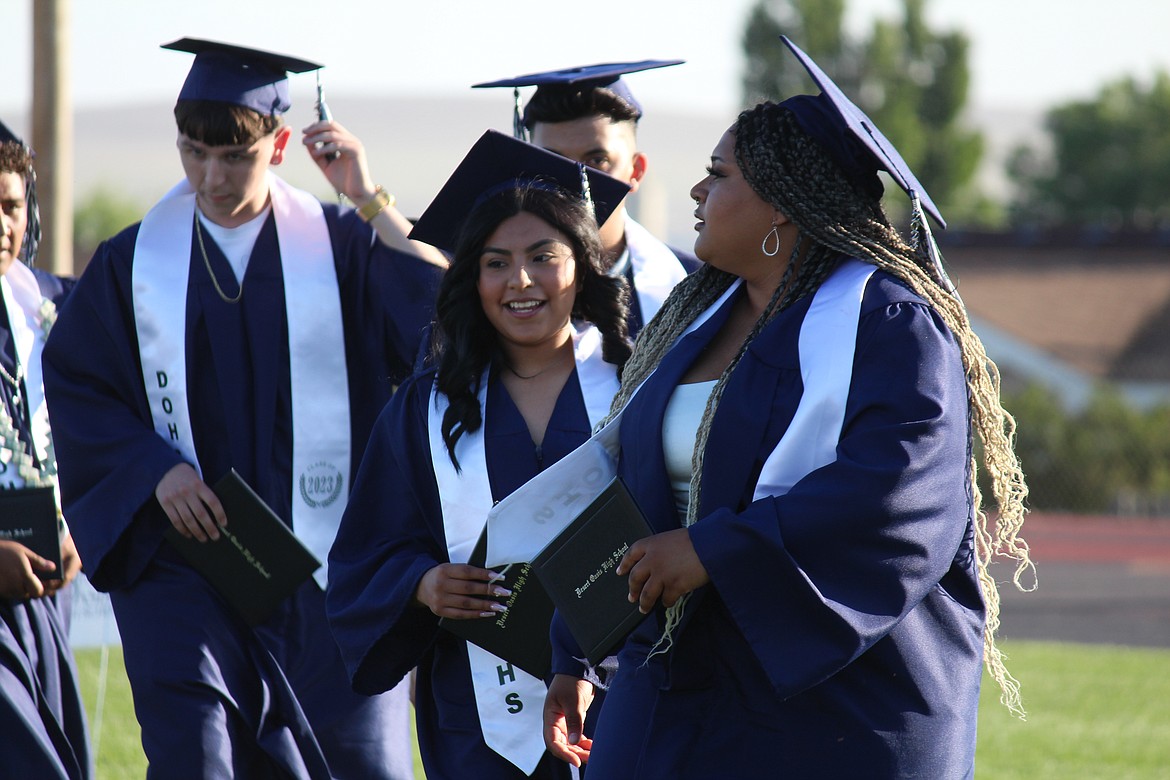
{"points": [[374, 205]]}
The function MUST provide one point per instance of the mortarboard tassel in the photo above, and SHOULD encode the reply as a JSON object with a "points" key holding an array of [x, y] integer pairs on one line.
{"points": [[518, 129], [920, 232], [32, 230], [586, 195], [32, 235]]}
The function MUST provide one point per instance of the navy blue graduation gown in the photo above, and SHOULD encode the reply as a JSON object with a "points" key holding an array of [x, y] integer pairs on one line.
{"points": [[42, 718], [392, 533], [841, 632], [111, 460]]}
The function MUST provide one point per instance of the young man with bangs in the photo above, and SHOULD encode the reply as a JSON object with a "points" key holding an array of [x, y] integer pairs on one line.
{"points": [[241, 325]]}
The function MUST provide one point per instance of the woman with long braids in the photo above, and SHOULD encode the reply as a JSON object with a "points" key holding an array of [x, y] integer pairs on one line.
{"points": [[529, 340], [800, 426]]}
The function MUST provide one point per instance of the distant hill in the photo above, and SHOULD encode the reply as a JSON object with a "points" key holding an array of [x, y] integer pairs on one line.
{"points": [[413, 143]]}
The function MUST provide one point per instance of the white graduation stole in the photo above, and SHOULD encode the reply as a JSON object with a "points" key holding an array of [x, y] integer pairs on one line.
{"points": [[319, 380], [23, 300], [656, 269], [828, 339], [510, 701]]}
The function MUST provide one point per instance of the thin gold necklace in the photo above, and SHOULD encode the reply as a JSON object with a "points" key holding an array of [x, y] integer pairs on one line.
{"points": [[558, 359], [518, 375], [207, 262]]}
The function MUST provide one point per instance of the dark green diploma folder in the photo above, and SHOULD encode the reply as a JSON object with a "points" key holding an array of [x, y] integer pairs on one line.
{"points": [[257, 562], [29, 515], [573, 574], [577, 570], [520, 635]]}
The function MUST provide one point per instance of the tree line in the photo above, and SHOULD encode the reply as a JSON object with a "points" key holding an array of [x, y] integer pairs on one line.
{"points": [[1105, 162], [1108, 458]]}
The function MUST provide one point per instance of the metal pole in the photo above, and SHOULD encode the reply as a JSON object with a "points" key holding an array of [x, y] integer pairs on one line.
{"points": [[52, 131]]}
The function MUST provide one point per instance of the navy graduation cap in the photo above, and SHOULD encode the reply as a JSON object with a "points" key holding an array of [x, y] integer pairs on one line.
{"points": [[606, 75], [245, 77], [861, 149], [497, 161], [850, 136]]}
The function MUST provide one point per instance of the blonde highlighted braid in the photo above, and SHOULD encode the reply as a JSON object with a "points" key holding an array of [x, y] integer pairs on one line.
{"points": [[838, 218]]}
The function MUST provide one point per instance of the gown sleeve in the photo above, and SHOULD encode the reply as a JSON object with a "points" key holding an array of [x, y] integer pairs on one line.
{"points": [[389, 295], [109, 457], [815, 577], [387, 540]]}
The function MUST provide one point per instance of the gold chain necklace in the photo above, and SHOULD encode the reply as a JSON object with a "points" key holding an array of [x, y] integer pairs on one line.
{"points": [[207, 262]]}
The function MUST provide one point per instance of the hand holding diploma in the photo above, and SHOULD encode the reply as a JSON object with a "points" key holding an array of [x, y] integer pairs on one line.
{"points": [[192, 507], [663, 567], [459, 591]]}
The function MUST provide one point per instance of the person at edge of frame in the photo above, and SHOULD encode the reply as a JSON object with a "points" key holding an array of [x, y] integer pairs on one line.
{"points": [[42, 716]]}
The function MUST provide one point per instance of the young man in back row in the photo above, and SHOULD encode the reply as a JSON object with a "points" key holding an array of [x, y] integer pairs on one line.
{"points": [[589, 115], [241, 325]]}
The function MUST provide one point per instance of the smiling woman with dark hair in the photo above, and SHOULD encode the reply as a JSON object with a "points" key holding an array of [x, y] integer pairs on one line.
{"points": [[474, 329], [529, 342]]}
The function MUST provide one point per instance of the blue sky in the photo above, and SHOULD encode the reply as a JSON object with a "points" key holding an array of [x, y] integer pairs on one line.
{"points": [[1025, 53]]}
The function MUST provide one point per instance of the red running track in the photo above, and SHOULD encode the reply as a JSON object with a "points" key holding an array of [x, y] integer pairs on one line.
{"points": [[1100, 539]]}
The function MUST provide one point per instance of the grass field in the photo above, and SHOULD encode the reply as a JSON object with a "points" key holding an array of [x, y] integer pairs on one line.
{"points": [[1093, 712]]}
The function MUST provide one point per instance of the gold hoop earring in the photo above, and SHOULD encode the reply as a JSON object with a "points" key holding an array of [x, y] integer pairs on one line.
{"points": [[773, 233]]}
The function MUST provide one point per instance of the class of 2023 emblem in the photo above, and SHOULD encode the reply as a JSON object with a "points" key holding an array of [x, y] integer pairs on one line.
{"points": [[321, 484]]}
